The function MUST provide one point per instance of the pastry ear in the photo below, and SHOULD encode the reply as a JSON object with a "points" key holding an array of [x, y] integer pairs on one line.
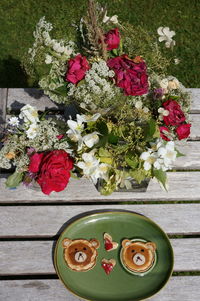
{"points": [[66, 242], [151, 246], [126, 243], [95, 243]]}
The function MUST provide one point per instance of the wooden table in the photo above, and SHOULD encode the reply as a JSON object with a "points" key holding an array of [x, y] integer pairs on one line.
{"points": [[30, 222]]}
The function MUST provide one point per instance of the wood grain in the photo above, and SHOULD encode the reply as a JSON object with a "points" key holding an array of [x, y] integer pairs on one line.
{"points": [[35, 257], [183, 186], [23, 221], [177, 289]]}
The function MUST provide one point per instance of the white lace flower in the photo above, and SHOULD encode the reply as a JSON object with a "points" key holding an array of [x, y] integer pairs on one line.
{"points": [[14, 121], [166, 35], [139, 105], [91, 139], [48, 59]]}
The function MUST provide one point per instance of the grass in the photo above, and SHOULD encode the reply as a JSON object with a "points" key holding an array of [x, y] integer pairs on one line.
{"points": [[18, 20]]}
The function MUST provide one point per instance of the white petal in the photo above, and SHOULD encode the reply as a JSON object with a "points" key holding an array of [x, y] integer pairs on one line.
{"points": [[144, 156], [160, 31], [81, 165], [162, 38], [147, 165]]}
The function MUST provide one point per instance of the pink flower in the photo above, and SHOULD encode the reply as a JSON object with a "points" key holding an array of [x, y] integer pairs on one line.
{"points": [[162, 134], [130, 74], [183, 131], [112, 39], [77, 68], [176, 115]]}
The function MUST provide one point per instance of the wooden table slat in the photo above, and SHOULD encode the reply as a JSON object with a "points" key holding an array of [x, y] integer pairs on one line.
{"points": [[177, 289], [23, 221], [183, 186], [35, 257], [19, 96]]}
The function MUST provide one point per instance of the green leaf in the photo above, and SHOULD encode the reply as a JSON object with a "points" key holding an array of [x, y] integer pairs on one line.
{"points": [[139, 175], [102, 128], [161, 176], [150, 129], [104, 153], [14, 180], [113, 139], [131, 161], [61, 90], [179, 154], [102, 141]]}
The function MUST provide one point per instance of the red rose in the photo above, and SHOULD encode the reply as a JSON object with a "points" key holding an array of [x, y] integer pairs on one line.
{"points": [[163, 134], [53, 170], [176, 115], [130, 74], [35, 161], [77, 68], [183, 131], [112, 39]]}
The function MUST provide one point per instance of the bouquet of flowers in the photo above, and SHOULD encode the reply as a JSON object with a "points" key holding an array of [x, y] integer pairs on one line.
{"points": [[130, 113]]}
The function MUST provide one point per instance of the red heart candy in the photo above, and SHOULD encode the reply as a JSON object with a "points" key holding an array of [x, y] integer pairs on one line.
{"points": [[108, 244], [107, 267]]}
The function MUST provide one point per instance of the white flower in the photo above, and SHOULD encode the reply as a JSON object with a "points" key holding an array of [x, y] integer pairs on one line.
{"points": [[173, 83], [166, 35], [146, 110], [89, 163], [113, 19], [32, 131], [162, 112], [91, 139], [29, 114], [101, 172], [176, 61], [14, 121], [149, 159], [89, 118], [138, 105], [48, 59], [168, 154], [164, 83], [76, 125]]}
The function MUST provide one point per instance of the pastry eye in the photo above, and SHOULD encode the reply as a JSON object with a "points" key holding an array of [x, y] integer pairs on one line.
{"points": [[84, 249], [76, 249], [132, 251], [142, 250]]}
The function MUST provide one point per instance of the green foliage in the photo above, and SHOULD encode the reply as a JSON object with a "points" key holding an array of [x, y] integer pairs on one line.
{"points": [[14, 180], [161, 176]]}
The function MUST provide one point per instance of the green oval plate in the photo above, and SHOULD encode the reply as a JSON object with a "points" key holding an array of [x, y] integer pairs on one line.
{"points": [[95, 284]]}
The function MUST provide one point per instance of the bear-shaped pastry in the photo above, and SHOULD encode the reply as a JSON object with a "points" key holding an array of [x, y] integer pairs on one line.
{"points": [[138, 256], [80, 254]]}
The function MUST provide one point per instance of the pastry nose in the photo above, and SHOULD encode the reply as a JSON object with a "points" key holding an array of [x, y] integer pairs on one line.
{"points": [[139, 259], [80, 256]]}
